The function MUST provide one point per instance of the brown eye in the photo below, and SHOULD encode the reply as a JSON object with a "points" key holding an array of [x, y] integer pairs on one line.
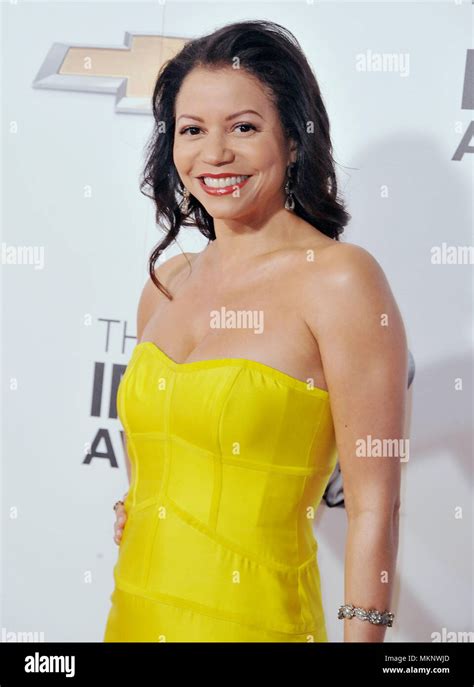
{"points": [[188, 128], [248, 125]]}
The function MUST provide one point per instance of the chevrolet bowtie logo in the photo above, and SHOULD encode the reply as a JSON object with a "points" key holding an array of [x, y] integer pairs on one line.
{"points": [[129, 71]]}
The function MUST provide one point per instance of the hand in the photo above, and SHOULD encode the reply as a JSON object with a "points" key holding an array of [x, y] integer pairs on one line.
{"points": [[120, 520]]}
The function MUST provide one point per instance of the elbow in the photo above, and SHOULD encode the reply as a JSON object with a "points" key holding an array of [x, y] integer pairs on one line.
{"points": [[383, 512]]}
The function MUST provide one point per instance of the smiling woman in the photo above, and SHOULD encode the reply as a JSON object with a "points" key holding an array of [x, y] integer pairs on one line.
{"points": [[233, 431], [281, 134]]}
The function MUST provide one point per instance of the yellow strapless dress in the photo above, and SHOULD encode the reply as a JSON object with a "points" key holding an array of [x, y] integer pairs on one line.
{"points": [[230, 459]]}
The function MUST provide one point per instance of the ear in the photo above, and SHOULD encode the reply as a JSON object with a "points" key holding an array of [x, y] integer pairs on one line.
{"points": [[293, 152]]}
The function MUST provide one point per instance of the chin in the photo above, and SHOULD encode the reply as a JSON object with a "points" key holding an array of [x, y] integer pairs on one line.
{"points": [[219, 210]]}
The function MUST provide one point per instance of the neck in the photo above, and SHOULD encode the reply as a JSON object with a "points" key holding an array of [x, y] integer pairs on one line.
{"points": [[237, 242]]}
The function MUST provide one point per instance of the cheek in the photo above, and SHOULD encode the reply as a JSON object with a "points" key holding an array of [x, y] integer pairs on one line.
{"points": [[272, 169], [181, 152], [268, 158], [177, 153]]}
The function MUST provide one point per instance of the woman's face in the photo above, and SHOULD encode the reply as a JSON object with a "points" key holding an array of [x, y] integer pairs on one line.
{"points": [[228, 127]]}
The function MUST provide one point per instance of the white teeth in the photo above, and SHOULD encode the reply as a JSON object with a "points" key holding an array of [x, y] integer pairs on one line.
{"points": [[223, 182]]}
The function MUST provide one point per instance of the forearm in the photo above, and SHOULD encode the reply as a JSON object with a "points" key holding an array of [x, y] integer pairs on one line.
{"points": [[370, 560]]}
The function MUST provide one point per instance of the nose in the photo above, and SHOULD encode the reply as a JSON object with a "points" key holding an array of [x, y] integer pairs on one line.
{"points": [[216, 150]]}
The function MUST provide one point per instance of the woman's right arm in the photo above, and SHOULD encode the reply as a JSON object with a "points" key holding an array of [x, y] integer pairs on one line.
{"points": [[147, 304]]}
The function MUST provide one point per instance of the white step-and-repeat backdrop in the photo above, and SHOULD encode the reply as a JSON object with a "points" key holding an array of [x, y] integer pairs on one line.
{"points": [[76, 234]]}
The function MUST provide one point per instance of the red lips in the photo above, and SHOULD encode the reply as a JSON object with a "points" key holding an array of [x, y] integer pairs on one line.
{"points": [[225, 190]]}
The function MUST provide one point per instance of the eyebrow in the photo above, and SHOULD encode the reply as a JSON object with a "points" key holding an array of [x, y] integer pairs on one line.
{"points": [[232, 116]]}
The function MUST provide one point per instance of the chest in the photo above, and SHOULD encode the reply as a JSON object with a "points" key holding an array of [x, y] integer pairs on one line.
{"points": [[260, 321]]}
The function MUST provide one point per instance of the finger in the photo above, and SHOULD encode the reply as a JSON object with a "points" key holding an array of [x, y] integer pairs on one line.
{"points": [[121, 519], [119, 524], [120, 508], [120, 511]]}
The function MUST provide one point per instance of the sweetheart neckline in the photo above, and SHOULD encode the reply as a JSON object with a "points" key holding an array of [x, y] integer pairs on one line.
{"points": [[247, 362]]}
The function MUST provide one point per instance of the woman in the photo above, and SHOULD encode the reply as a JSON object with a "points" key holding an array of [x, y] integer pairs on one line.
{"points": [[260, 359]]}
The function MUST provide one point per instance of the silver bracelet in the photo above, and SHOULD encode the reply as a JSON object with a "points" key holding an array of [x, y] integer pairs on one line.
{"points": [[348, 611]]}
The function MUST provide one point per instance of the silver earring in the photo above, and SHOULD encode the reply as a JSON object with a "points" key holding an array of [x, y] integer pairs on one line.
{"points": [[290, 201], [185, 203]]}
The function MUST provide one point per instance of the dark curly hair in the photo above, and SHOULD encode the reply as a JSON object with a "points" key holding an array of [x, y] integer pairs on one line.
{"points": [[271, 53]]}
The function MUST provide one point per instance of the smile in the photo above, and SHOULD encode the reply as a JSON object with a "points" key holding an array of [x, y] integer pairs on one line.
{"points": [[219, 186]]}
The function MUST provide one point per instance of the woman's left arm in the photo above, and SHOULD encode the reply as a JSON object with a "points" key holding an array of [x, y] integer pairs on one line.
{"points": [[362, 342]]}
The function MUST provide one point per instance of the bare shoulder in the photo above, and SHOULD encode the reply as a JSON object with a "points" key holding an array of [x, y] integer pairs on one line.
{"points": [[319, 258], [349, 307], [344, 263], [345, 281], [167, 273], [345, 270]]}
